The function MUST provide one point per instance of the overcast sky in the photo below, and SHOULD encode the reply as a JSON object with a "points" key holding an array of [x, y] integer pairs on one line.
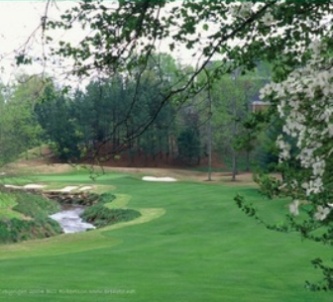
{"points": [[18, 22]]}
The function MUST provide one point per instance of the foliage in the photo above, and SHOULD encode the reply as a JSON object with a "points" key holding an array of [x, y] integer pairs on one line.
{"points": [[235, 128], [55, 117], [103, 119], [122, 37], [303, 99], [34, 224], [15, 230], [100, 216], [19, 128], [189, 146], [106, 197], [269, 185], [34, 206], [266, 151]]}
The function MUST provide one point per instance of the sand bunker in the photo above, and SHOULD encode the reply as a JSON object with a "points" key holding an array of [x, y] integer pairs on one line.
{"points": [[153, 178], [26, 187], [85, 188], [68, 189], [33, 186], [72, 188], [13, 187]]}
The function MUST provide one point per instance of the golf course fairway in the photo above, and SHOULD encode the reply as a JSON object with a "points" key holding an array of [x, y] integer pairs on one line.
{"points": [[191, 243]]}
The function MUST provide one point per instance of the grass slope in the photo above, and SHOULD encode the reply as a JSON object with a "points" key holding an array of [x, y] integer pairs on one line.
{"points": [[191, 243], [7, 202], [24, 216]]}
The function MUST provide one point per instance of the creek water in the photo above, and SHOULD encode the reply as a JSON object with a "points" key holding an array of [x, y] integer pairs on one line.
{"points": [[70, 220]]}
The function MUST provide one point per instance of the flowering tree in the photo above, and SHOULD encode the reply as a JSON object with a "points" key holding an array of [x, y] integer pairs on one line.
{"points": [[304, 101]]}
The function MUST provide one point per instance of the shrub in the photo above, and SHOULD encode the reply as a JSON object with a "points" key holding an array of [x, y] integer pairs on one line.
{"points": [[101, 216], [15, 230], [37, 223], [269, 186], [106, 197], [35, 206]]}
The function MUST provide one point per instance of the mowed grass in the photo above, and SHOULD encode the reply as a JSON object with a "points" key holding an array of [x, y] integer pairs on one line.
{"points": [[191, 244], [7, 202]]}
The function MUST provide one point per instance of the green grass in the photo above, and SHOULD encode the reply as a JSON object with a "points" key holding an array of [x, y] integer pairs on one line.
{"points": [[102, 214], [191, 243], [24, 216], [7, 202]]}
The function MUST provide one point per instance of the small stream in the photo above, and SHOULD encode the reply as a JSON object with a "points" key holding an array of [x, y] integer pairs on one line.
{"points": [[70, 220]]}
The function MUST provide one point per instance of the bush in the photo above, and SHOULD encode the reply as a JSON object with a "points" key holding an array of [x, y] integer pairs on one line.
{"points": [[106, 197], [37, 223], [269, 186], [101, 216], [15, 230], [35, 206]]}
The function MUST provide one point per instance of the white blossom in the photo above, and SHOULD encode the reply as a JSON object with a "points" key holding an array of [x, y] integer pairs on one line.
{"points": [[241, 10], [322, 213], [315, 47], [245, 9], [268, 19], [305, 102], [314, 186], [330, 130], [265, 91], [284, 147], [318, 168], [293, 207]]}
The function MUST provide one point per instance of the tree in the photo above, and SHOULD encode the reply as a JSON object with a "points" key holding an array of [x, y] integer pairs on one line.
{"points": [[19, 128], [304, 103], [124, 37], [55, 115], [231, 98], [189, 146], [101, 120]]}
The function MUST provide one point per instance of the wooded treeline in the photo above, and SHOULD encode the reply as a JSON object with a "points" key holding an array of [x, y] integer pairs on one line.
{"points": [[125, 116]]}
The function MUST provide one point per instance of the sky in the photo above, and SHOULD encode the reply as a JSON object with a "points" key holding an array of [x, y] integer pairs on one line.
{"points": [[19, 22]]}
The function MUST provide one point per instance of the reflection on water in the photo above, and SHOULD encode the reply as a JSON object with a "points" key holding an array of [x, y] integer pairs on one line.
{"points": [[70, 220]]}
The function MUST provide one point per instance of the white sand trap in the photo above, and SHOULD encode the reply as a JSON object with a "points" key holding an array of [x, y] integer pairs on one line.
{"points": [[13, 187], [68, 189], [33, 186], [153, 178], [85, 188], [26, 187]]}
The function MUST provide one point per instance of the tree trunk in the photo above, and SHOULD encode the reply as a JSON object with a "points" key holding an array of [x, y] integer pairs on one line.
{"points": [[247, 161], [234, 165]]}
